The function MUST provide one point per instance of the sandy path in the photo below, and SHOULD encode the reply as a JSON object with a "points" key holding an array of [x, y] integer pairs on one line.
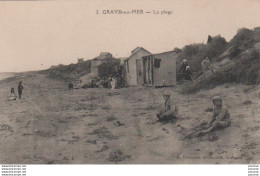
{"points": [[53, 125]]}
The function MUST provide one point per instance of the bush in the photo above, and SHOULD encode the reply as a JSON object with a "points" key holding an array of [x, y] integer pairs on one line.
{"points": [[68, 72], [109, 69], [177, 50], [244, 39], [216, 47], [247, 71]]}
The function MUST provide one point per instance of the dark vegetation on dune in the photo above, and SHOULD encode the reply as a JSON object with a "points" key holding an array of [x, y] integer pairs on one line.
{"points": [[242, 56], [68, 72], [109, 69], [75, 71], [195, 53]]}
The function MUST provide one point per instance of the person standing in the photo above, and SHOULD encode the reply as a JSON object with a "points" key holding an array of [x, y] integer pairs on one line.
{"points": [[206, 67], [20, 89], [70, 86], [113, 83]]}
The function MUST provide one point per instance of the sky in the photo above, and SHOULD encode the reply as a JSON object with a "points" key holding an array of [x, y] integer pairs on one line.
{"points": [[37, 34]]}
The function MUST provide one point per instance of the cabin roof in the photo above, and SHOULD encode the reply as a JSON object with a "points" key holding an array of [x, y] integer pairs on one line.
{"points": [[167, 52], [136, 50]]}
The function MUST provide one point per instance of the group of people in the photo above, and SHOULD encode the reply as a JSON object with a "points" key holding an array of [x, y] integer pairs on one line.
{"points": [[13, 95], [220, 117], [186, 72], [108, 82]]}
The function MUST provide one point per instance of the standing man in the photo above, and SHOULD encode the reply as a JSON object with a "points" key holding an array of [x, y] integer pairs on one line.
{"points": [[206, 67], [169, 110], [20, 89]]}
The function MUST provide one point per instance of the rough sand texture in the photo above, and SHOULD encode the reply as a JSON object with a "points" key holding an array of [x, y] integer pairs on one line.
{"points": [[52, 125]]}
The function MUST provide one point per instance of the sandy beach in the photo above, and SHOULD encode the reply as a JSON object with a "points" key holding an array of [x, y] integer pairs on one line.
{"points": [[52, 125]]}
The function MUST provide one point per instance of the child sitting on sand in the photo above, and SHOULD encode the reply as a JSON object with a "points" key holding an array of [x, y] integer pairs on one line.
{"points": [[219, 119], [169, 111], [12, 95]]}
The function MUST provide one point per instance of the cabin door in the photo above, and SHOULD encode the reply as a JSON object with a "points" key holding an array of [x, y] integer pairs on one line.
{"points": [[156, 72], [139, 71]]}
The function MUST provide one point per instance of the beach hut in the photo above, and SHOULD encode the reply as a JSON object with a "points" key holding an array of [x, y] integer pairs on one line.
{"points": [[160, 69], [133, 67]]}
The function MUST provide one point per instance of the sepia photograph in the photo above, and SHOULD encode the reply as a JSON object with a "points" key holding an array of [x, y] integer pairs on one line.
{"points": [[130, 82]]}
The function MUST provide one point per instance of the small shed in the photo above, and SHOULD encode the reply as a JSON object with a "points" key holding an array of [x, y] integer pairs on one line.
{"points": [[134, 68], [160, 69]]}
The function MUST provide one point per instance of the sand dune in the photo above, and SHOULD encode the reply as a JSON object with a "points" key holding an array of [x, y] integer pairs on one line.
{"points": [[52, 125]]}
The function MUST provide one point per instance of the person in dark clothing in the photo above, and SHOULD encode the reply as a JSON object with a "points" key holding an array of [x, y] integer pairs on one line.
{"points": [[183, 67], [20, 89], [70, 86], [188, 73]]}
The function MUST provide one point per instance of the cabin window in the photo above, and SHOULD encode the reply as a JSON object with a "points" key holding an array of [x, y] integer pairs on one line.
{"points": [[157, 63]]}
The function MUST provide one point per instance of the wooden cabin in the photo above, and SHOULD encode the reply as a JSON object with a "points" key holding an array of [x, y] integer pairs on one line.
{"points": [[134, 68], [159, 69]]}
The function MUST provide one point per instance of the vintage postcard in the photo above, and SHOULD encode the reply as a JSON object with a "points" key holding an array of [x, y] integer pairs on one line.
{"points": [[130, 82]]}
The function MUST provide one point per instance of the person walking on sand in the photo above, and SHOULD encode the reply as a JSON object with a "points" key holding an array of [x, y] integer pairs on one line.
{"points": [[12, 95], [219, 119], [20, 89], [169, 111]]}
